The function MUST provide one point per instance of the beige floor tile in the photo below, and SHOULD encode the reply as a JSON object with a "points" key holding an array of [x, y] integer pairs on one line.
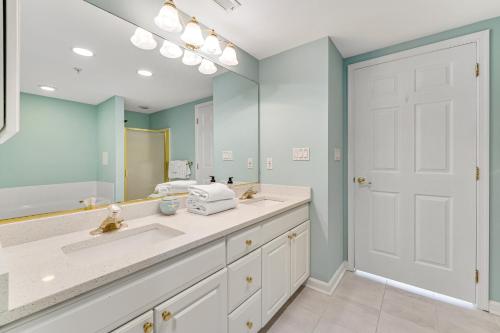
{"points": [[356, 317], [393, 324], [312, 300], [361, 290], [327, 325], [453, 319], [295, 319], [403, 305]]}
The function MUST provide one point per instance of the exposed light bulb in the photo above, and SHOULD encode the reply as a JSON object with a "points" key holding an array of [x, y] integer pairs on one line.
{"points": [[168, 18], [207, 67], [229, 57], [143, 39], [212, 45], [191, 58], [170, 50], [192, 34]]}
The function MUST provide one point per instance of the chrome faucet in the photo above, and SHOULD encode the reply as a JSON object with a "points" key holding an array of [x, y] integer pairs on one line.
{"points": [[113, 222], [248, 194]]}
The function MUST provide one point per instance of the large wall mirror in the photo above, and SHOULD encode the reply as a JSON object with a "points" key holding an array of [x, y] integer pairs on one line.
{"points": [[103, 121]]}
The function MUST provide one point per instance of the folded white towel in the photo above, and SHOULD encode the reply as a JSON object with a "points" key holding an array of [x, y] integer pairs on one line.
{"points": [[212, 192], [179, 169], [175, 185], [209, 208]]}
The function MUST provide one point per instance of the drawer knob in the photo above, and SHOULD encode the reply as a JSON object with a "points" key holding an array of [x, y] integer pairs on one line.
{"points": [[248, 242], [294, 235], [249, 279], [148, 327], [290, 237], [166, 315], [249, 324]]}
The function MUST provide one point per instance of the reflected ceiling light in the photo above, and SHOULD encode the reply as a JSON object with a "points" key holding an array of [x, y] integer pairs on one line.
{"points": [[229, 57], [192, 34], [168, 18], [207, 67], [170, 50], [212, 45], [47, 88], [48, 278], [143, 39], [83, 52], [190, 58], [144, 72]]}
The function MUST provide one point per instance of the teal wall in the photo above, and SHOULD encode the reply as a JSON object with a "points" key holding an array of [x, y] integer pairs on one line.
{"points": [[136, 120], [180, 120], [494, 26], [236, 127], [299, 109], [57, 144]]}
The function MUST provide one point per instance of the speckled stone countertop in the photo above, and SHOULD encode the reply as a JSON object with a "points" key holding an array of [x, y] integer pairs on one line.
{"points": [[42, 275]]}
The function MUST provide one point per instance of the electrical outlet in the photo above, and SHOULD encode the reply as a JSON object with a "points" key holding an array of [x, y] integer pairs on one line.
{"points": [[227, 155], [337, 154], [250, 163], [105, 158], [300, 154], [269, 163]]}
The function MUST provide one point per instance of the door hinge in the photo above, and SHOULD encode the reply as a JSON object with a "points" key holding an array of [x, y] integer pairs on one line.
{"points": [[197, 121], [478, 173], [477, 276], [478, 70]]}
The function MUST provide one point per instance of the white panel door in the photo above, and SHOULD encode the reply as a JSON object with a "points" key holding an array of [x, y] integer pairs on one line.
{"points": [[415, 147], [204, 145], [201, 308], [300, 256], [275, 276]]}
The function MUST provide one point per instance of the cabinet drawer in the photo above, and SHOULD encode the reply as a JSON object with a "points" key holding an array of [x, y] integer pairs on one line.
{"points": [[243, 242], [244, 278], [280, 224], [247, 318], [142, 324], [201, 308]]}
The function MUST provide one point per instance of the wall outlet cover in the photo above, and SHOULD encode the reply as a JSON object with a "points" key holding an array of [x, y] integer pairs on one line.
{"points": [[269, 163], [250, 163], [227, 155]]}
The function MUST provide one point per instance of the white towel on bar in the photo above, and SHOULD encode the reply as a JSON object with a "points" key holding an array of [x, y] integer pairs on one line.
{"points": [[208, 208], [179, 169], [212, 192]]}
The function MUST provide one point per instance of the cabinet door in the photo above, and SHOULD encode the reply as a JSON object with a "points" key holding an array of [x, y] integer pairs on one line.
{"points": [[275, 276], [300, 255], [201, 308], [142, 324]]}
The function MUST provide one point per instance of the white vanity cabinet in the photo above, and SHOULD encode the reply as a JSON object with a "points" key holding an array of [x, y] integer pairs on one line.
{"points": [[142, 324], [300, 254]]}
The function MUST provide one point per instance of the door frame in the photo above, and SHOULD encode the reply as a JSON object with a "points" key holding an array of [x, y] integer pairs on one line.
{"points": [[482, 40], [197, 108]]}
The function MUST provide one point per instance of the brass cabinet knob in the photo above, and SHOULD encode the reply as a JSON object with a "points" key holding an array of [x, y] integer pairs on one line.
{"points": [[249, 324], [294, 235], [248, 242], [166, 315], [148, 327], [290, 237], [249, 279]]}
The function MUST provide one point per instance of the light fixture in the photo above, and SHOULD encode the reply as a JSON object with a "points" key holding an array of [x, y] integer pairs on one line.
{"points": [[143, 39], [83, 52], [168, 18], [228, 57], [207, 67], [144, 72], [170, 50], [212, 45], [190, 58], [192, 34], [47, 88]]}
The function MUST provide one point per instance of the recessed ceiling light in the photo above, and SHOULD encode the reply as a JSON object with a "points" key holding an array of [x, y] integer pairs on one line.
{"points": [[47, 88], [144, 72], [83, 52], [48, 278]]}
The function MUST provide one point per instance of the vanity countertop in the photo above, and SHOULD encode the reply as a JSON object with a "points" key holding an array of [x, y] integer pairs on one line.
{"points": [[42, 275]]}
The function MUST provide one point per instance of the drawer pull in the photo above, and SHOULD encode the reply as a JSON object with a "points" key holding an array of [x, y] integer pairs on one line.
{"points": [[248, 242], [249, 279], [148, 327], [249, 325], [166, 315]]}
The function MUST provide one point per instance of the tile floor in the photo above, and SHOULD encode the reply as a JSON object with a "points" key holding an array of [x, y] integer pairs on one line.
{"points": [[361, 305]]}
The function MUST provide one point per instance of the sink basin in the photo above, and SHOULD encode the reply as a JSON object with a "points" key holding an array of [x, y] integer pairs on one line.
{"points": [[120, 242], [262, 202]]}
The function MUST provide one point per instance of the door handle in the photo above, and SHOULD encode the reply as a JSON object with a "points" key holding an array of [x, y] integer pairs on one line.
{"points": [[362, 181]]}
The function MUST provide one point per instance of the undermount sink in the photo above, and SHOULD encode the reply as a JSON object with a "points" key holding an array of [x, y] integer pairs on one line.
{"points": [[120, 242], [262, 202]]}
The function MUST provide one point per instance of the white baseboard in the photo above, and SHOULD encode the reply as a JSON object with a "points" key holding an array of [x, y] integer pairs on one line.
{"points": [[495, 308], [330, 286]]}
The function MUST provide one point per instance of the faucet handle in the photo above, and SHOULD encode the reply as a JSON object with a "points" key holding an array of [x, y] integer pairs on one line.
{"points": [[114, 210]]}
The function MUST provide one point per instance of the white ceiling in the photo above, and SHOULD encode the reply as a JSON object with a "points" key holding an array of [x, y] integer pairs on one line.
{"points": [[267, 27], [51, 28]]}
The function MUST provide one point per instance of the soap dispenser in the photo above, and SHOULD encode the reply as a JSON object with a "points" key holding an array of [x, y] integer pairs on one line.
{"points": [[212, 179], [230, 182]]}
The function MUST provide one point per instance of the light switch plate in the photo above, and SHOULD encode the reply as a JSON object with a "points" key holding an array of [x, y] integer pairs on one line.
{"points": [[269, 163], [337, 154], [250, 163], [300, 154], [105, 158], [227, 155]]}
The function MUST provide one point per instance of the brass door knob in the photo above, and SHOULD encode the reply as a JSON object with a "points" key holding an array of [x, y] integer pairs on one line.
{"points": [[248, 242], [362, 181], [148, 327], [249, 324], [166, 315], [249, 279]]}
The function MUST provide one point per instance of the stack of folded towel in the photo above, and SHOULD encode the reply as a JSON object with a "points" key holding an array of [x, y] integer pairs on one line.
{"points": [[210, 199], [173, 187]]}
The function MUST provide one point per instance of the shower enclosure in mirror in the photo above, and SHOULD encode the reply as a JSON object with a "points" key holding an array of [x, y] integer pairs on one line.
{"points": [[104, 121]]}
